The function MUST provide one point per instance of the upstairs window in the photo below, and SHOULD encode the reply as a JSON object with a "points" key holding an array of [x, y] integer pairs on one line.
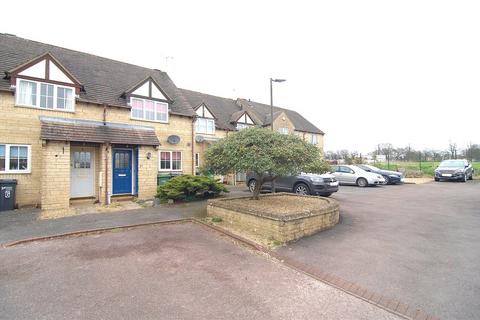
{"points": [[143, 109], [44, 95], [283, 130], [244, 122], [204, 125], [205, 122], [241, 126], [313, 139], [14, 158]]}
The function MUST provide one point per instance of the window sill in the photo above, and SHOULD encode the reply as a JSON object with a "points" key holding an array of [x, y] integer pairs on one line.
{"points": [[207, 134], [145, 120], [44, 109], [16, 172], [168, 170]]}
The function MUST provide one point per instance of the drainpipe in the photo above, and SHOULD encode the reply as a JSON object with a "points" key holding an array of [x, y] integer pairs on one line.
{"points": [[193, 145], [104, 114], [107, 194]]}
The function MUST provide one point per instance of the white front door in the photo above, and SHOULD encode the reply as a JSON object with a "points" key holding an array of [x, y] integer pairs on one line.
{"points": [[82, 172]]}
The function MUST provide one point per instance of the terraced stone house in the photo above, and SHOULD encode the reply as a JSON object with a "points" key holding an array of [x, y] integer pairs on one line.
{"points": [[78, 126]]}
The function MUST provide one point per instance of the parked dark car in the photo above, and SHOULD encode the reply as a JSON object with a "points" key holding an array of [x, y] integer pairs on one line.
{"points": [[391, 177], [454, 170], [305, 183]]}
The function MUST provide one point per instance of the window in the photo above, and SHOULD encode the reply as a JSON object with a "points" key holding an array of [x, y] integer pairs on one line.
{"points": [[150, 110], [197, 160], [283, 130], [170, 161], [2, 157], [27, 93], [204, 125], [176, 160], [44, 95], [241, 126], [122, 160], [83, 159], [14, 158], [313, 138], [64, 98]]}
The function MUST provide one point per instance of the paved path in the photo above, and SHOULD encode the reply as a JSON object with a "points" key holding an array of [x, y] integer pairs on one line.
{"points": [[419, 244], [183, 271], [23, 224]]}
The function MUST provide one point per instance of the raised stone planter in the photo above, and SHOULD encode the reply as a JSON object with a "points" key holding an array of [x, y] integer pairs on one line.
{"points": [[281, 216]]}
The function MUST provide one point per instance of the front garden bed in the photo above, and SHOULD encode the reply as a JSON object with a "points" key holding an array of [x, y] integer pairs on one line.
{"points": [[275, 218]]}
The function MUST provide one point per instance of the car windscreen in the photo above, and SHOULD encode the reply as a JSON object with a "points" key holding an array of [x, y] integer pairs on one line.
{"points": [[452, 164]]}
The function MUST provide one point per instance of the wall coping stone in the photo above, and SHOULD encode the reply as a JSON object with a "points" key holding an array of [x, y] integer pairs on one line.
{"points": [[332, 205]]}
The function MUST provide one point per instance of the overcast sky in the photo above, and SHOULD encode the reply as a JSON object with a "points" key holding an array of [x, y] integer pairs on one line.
{"points": [[365, 72]]}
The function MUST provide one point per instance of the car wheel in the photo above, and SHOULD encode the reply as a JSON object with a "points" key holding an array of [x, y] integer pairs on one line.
{"points": [[437, 179], [302, 189], [465, 177], [471, 177], [362, 182], [251, 185], [387, 179]]}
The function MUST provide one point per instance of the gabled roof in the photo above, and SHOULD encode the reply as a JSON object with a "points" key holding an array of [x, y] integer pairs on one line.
{"points": [[104, 80], [221, 108], [225, 110], [49, 57], [263, 110], [153, 82]]}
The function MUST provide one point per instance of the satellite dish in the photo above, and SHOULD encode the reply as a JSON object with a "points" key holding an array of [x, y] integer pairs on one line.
{"points": [[173, 139], [199, 139]]}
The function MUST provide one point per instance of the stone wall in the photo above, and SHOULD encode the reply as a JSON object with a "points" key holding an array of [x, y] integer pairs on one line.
{"points": [[267, 227], [55, 180], [147, 172]]}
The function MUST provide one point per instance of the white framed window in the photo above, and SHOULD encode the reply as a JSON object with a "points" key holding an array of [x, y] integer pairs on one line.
{"points": [[241, 126], [205, 125], [197, 160], [143, 109], [170, 161], [15, 158], [313, 139], [283, 130], [44, 95]]}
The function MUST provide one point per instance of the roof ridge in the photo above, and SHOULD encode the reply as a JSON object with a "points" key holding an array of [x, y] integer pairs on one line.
{"points": [[153, 70], [207, 94]]}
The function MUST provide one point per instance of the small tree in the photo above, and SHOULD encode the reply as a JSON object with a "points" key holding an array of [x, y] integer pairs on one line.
{"points": [[265, 153]]}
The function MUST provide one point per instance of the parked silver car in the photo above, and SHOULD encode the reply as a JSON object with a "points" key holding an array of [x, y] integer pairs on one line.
{"points": [[353, 175]]}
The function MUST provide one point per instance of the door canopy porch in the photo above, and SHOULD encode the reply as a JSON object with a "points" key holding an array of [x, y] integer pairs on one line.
{"points": [[75, 130]]}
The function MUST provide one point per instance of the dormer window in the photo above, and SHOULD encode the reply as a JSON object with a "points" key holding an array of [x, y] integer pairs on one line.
{"points": [[244, 122], [44, 95], [148, 101], [44, 83], [143, 109], [205, 122]]}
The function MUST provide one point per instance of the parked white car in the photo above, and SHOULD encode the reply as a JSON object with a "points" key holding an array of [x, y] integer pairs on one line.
{"points": [[353, 175]]}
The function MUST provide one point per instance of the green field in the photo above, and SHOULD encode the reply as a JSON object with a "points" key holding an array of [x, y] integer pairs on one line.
{"points": [[417, 169]]}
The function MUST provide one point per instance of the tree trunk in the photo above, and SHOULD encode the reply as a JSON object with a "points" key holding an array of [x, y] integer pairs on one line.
{"points": [[258, 188]]}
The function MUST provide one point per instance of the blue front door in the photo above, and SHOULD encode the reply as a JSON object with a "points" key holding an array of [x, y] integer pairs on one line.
{"points": [[122, 171]]}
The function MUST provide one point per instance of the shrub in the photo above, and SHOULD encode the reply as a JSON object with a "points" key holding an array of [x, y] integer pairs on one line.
{"points": [[187, 187]]}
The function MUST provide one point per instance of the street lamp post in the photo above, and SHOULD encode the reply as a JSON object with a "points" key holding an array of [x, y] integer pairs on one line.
{"points": [[271, 113], [271, 99]]}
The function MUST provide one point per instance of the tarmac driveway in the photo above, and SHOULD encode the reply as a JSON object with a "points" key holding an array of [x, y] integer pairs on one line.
{"points": [[177, 271], [417, 243]]}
